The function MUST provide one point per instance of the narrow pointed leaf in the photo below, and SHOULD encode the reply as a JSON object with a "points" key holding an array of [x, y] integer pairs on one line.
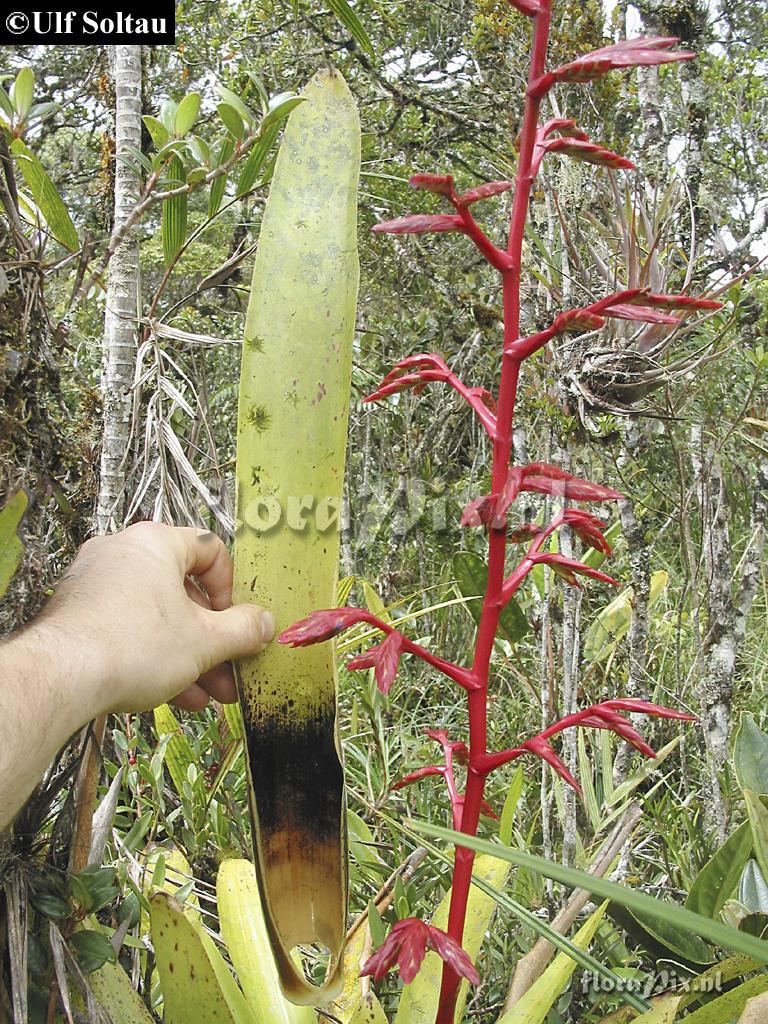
{"points": [[218, 185], [48, 201], [534, 1006], [11, 548], [292, 429], [174, 213], [351, 22], [178, 755], [713, 931]]}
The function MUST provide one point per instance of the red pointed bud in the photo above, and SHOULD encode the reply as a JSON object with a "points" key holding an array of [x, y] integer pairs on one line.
{"points": [[416, 776], [643, 52], [570, 568], [419, 224], [539, 746], [590, 152], [684, 303], [486, 191], [323, 625], [544, 478], [441, 184]]}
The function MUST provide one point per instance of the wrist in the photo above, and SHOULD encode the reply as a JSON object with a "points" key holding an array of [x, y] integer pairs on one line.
{"points": [[58, 663]]}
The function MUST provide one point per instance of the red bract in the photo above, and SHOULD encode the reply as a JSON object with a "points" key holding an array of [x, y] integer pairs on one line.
{"points": [[407, 945], [685, 303], [417, 775], [528, 7], [581, 149], [643, 314], [523, 533], [569, 568], [577, 320], [486, 191], [543, 478], [642, 52], [490, 510], [484, 396], [415, 381], [644, 707], [442, 184], [322, 625], [383, 658], [539, 746], [419, 224], [588, 528]]}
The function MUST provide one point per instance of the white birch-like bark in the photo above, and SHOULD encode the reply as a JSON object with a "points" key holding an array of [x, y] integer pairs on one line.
{"points": [[120, 320]]}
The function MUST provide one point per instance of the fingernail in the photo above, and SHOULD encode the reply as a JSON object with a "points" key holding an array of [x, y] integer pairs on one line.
{"points": [[267, 627]]}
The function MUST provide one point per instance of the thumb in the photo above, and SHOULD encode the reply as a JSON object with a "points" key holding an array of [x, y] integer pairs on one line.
{"points": [[238, 631]]}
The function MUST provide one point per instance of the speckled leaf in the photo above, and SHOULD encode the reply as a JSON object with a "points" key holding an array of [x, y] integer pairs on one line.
{"points": [[193, 989], [368, 1011], [292, 431]]}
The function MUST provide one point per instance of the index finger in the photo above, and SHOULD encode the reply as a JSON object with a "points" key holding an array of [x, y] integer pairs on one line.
{"points": [[199, 553], [207, 559]]}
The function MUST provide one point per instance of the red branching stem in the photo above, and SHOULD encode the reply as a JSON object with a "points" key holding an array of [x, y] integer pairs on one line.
{"points": [[462, 676], [497, 258], [502, 449]]}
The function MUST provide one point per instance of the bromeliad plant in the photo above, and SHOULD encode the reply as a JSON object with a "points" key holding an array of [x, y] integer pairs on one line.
{"points": [[408, 941]]}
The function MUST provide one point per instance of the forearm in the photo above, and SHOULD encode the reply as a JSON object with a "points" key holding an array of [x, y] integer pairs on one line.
{"points": [[45, 696]]}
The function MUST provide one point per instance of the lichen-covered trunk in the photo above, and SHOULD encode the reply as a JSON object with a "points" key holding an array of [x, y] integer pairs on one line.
{"points": [[726, 602], [120, 324]]}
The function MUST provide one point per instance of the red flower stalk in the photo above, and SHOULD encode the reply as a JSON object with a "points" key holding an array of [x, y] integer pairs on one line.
{"points": [[408, 940]]}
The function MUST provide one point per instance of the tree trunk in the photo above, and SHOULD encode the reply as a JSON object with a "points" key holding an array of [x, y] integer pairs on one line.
{"points": [[727, 602], [120, 323]]}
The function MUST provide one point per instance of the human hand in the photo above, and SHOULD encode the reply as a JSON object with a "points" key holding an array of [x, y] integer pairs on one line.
{"points": [[141, 630]]}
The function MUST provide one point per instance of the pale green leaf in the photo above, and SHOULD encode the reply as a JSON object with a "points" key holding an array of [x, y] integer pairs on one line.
{"points": [[186, 114], [48, 200], [712, 931], [750, 756], [242, 926], [11, 548], [22, 92], [533, 1007], [157, 130]]}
